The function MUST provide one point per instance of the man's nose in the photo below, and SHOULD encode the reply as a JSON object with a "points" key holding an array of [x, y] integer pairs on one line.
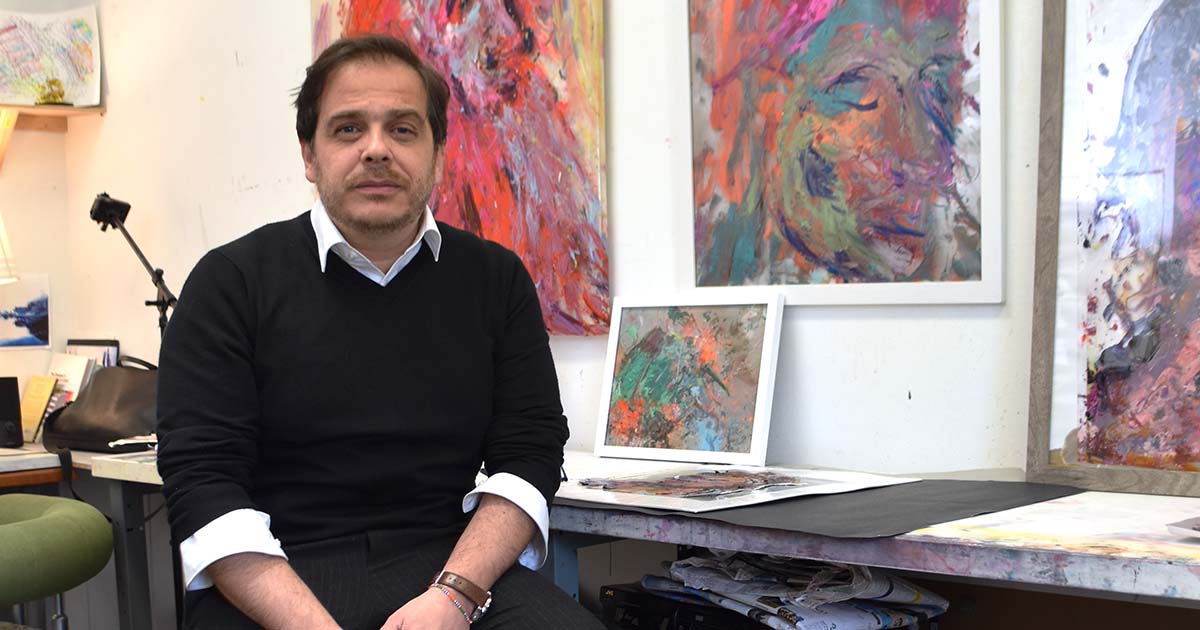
{"points": [[376, 148]]}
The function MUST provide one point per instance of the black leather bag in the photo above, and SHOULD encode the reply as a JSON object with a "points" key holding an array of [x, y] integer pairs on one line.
{"points": [[119, 402]]}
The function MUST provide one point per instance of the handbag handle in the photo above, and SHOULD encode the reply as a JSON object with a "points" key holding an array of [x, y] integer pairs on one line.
{"points": [[125, 358]]}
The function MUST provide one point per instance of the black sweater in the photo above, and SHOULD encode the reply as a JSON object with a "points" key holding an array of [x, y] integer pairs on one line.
{"points": [[339, 406]]}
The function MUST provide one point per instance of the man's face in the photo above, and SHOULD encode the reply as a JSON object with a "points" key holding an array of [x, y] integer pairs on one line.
{"points": [[372, 157], [869, 179]]}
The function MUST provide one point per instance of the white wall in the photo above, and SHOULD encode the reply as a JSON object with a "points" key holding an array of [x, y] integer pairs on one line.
{"points": [[892, 389], [33, 202], [198, 137]]}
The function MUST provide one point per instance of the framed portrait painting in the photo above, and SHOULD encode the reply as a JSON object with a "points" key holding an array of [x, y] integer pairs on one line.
{"points": [[1115, 382], [848, 151], [690, 379]]}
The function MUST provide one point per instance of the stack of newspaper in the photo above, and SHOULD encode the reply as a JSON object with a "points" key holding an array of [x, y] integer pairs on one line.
{"points": [[790, 594]]}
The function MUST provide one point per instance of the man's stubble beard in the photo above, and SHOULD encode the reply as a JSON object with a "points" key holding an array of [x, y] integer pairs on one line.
{"points": [[421, 190]]}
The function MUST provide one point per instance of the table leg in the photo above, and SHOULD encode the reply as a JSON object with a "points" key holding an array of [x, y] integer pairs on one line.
{"points": [[129, 553], [562, 562]]}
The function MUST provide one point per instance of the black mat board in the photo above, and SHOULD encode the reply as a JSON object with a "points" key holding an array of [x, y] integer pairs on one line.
{"points": [[876, 512]]}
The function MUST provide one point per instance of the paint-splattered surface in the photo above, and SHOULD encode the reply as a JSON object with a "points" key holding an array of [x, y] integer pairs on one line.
{"points": [[1100, 542], [1138, 238], [700, 484], [1104, 523], [525, 148], [687, 378], [836, 141]]}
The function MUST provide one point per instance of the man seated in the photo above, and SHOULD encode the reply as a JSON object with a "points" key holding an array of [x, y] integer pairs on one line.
{"points": [[330, 385]]}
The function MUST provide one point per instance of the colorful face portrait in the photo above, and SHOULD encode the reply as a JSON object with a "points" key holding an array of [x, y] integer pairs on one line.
{"points": [[835, 142]]}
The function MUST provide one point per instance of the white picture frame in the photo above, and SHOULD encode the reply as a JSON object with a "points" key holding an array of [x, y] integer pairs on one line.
{"points": [[989, 289], [762, 319]]}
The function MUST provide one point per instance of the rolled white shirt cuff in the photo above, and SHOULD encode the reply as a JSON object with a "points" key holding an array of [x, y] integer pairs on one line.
{"points": [[238, 531], [525, 496]]}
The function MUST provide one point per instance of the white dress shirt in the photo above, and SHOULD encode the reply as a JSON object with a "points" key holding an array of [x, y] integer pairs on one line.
{"points": [[247, 530]]}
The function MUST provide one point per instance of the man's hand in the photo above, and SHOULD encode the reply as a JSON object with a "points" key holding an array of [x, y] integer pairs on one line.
{"points": [[432, 610]]}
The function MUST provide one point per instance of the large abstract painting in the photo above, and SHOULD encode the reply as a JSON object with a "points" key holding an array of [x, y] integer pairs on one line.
{"points": [[846, 142], [1129, 274], [525, 148], [690, 381]]}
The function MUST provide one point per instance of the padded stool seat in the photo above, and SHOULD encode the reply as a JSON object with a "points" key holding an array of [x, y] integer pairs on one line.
{"points": [[49, 545]]}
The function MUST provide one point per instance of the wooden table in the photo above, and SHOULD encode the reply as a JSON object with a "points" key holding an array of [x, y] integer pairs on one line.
{"points": [[28, 466]]}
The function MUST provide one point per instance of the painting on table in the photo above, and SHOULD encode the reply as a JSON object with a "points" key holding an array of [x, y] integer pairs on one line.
{"points": [[690, 380], [848, 150], [697, 488], [1119, 406], [524, 157]]}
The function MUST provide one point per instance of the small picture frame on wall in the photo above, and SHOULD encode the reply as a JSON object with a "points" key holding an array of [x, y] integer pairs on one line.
{"points": [[691, 378]]}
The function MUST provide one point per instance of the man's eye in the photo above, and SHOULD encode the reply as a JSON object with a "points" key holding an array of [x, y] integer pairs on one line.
{"points": [[347, 129], [405, 130]]}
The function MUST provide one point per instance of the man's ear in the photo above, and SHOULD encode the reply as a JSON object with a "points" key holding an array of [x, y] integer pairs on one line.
{"points": [[310, 161], [439, 164]]}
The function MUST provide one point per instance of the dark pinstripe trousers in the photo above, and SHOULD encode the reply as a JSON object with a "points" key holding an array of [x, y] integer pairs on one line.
{"points": [[363, 579]]}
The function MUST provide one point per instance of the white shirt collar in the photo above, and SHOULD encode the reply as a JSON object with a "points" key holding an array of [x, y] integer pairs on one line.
{"points": [[330, 238]]}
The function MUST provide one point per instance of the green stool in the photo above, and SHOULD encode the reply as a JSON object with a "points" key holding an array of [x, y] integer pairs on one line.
{"points": [[49, 545]]}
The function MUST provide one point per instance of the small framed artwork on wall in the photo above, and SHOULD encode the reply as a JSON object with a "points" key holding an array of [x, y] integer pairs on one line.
{"points": [[691, 378]]}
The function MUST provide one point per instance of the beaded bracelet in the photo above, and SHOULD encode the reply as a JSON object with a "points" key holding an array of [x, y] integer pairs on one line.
{"points": [[453, 600]]}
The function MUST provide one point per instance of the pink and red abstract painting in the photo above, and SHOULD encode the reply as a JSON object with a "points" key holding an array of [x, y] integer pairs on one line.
{"points": [[835, 141], [525, 147]]}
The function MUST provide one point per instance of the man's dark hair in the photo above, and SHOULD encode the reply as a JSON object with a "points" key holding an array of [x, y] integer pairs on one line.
{"points": [[372, 48]]}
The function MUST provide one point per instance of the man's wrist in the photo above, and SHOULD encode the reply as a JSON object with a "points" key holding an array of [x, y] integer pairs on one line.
{"points": [[469, 591], [468, 615]]}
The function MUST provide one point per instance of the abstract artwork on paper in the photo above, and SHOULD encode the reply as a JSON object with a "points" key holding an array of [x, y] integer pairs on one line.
{"points": [[698, 488], [1129, 324], [690, 381], [836, 142], [525, 146], [50, 58]]}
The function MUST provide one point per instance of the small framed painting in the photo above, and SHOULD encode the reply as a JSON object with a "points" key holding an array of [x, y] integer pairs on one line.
{"points": [[691, 378]]}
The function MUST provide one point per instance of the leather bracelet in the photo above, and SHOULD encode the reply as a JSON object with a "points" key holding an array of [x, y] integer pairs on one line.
{"points": [[461, 584], [453, 600], [481, 598]]}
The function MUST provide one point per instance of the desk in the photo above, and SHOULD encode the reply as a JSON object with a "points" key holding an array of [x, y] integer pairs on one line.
{"points": [[1094, 544], [125, 508], [133, 476], [21, 467]]}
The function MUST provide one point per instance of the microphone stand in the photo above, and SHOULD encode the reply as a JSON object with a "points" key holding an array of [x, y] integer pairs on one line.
{"points": [[109, 212]]}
